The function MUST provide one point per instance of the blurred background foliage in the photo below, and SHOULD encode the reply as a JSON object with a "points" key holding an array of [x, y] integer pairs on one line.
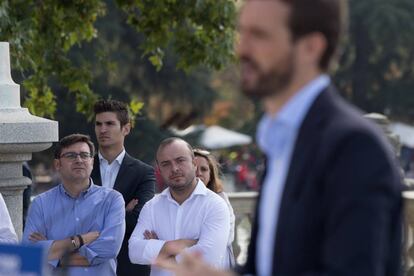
{"points": [[173, 61]]}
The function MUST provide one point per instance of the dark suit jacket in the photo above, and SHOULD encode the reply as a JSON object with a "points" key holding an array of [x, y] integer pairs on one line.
{"points": [[340, 212], [135, 179]]}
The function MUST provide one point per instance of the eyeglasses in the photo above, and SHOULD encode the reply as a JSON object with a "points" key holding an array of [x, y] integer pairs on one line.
{"points": [[72, 156]]}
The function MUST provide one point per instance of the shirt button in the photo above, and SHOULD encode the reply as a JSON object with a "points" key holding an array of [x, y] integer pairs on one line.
{"points": [[86, 269], [77, 219]]}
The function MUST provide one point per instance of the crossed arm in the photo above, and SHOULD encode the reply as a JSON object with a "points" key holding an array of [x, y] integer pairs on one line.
{"points": [[59, 248], [98, 247], [172, 248], [145, 247]]}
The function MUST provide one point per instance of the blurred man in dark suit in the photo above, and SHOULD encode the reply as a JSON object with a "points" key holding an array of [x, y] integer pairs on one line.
{"points": [[330, 202]]}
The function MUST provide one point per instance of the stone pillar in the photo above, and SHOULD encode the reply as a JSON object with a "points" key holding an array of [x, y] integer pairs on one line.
{"points": [[21, 134]]}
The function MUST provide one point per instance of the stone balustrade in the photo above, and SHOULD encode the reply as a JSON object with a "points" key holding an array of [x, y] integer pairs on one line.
{"points": [[243, 204], [244, 207], [408, 230]]}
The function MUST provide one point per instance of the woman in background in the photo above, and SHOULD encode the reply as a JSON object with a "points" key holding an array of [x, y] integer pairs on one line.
{"points": [[208, 172]]}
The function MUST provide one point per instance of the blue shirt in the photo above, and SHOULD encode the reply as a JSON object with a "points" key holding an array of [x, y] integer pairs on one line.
{"points": [[57, 215], [276, 136]]}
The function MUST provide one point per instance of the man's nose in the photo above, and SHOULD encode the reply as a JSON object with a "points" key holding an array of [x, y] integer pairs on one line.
{"points": [[174, 167], [78, 158]]}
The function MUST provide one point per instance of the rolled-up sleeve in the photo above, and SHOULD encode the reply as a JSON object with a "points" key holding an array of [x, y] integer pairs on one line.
{"points": [[109, 243], [143, 251], [35, 223], [214, 234]]}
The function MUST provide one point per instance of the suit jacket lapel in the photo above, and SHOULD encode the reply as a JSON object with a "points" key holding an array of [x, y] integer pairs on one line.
{"points": [[304, 152], [96, 172], [123, 174]]}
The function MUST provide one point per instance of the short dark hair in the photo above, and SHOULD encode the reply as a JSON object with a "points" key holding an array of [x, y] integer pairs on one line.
{"points": [[69, 140], [119, 108], [324, 16], [170, 140]]}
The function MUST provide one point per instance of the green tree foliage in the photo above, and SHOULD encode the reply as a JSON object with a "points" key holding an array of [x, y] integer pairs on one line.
{"points": [[120, 72], [199, 31], [43, 35], [376, 68]]}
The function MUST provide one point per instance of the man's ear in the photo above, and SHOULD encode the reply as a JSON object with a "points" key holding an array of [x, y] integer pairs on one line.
{"points": [[126, 129], [314, 46], [194, 163], [56, 164]]}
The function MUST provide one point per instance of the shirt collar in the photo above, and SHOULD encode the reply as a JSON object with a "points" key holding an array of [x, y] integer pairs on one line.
{"points": [[296, 108], [200, 189], [118, 159], [273, 129], [92, 187]]}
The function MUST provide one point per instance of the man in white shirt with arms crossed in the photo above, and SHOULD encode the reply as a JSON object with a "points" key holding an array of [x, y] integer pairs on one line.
{"points": [[184, 217]]}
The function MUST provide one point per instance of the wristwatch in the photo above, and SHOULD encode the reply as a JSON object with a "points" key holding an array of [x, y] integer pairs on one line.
{"points": [[72, 239]]}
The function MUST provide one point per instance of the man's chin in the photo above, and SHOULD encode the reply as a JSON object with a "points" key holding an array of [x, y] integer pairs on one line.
{"points": [[254, 93]]}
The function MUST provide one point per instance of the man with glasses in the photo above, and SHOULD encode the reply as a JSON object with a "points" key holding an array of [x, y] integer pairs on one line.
{"points": [[80, 225]]}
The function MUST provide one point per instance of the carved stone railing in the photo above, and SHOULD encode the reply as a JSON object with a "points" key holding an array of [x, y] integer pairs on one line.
{"points": [[408, 237], [243, 204]]}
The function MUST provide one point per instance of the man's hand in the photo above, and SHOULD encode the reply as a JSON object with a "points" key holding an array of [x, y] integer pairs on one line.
{"points": [[75, 259], [90, 237], [191, 264], [131, 205], [65, 246], [175, 247], [150, 235], [36, 236]]}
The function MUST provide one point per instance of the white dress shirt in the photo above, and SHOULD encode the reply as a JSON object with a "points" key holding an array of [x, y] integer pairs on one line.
{"points": [[7, 233], [109, 172], [204, 216], [276, 136]]}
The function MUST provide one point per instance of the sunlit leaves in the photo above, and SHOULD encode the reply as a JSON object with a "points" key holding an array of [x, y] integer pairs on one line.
{"points": [[200, 32], [42, 35]]}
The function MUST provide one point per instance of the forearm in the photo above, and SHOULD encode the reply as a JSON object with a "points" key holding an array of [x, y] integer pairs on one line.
{"points": [[76, 259], [109, 242], [144, 251], [60, 248], [175, 247], [67, 247], [8, 235]]}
